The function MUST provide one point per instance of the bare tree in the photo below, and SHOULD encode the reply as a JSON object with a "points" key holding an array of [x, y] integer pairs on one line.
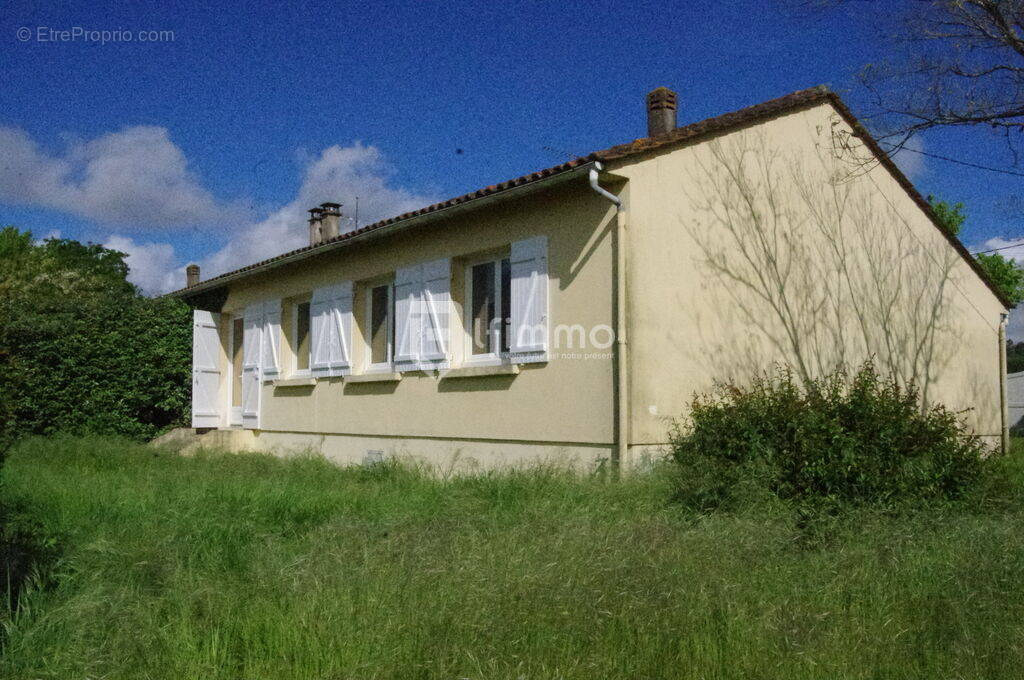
{"points": [[953, 63], [819, 264]]}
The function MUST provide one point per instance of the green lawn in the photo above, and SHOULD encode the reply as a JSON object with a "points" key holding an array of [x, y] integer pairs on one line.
{"points": [[246, 566]]}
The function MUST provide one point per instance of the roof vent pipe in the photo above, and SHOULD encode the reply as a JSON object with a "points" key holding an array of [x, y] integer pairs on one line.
{"points": [[661, 111]]}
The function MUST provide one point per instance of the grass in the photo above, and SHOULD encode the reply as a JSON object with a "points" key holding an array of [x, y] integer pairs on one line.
{"points": [[227, 566]]}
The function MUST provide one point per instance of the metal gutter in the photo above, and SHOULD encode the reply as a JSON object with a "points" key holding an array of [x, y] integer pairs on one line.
{"points": [[389, 229]]}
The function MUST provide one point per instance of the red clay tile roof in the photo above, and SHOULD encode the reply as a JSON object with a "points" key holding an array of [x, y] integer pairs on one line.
{"points": [[789, 103]]}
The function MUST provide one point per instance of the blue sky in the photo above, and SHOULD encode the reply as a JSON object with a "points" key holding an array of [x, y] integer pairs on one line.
{"points": [[173, 149]]}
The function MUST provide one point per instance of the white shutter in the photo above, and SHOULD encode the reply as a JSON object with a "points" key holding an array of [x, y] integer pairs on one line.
{"points": [[270, 363], [529, 328], [408, 289], [252, 337], [436, 312], [320, 332], [331, 312], [341, 329], [205, 369]]}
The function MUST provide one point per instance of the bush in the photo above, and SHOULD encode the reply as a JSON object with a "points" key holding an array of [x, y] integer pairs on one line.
{"points": [[81, 349], [836, 441]]}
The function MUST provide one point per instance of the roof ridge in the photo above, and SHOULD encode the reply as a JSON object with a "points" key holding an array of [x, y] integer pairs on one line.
{"points": [[688, 132], [729, 121]]}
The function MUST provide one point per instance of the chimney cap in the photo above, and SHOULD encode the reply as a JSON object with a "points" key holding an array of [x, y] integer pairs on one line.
{"points": [[327, 205], [662, 98], [315, 211], [661, 111], [191, 275]]}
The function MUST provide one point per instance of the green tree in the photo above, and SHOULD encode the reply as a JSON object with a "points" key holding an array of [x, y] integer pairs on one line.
{"points": [[951, 216], [1014, 356], [1005, 273], [87, 351]]}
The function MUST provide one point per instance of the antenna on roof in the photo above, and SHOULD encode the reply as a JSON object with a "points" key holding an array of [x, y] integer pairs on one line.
{"points": [[565, 155], [357, 212]]}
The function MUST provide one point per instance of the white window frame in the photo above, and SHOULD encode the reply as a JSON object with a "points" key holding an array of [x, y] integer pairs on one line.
{"points": [[388, 365], [294, 344], [498, 358]]}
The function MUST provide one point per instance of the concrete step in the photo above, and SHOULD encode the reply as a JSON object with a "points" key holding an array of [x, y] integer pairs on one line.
{"points": [[188, 440], [176, 439]]}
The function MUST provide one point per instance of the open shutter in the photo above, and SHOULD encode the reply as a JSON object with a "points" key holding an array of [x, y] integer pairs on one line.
{"points": [[529, 269], [436, 312], [331, 312], [252, 336], [320, 332], [408, 286], [271, 356], [340, 355], [205, 369]]}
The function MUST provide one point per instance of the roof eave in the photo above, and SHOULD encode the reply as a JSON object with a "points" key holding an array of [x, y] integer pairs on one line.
{"points": [[389, 229]]}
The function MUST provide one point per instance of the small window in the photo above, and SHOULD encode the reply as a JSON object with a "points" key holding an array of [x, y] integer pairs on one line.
{"points": [[381, 324], [489, 298], [302, 336]]}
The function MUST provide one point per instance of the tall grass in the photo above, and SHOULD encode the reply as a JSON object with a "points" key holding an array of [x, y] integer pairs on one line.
{"points": [[247, 566]]}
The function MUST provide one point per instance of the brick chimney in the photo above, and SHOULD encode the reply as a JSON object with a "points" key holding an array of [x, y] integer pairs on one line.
{"points": [[661, 111], [330, 220], [315, 226], [191, 275]]}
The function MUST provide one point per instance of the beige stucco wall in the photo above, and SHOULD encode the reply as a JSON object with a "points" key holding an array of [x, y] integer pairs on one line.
{"points": [[884, 283], [561, 405], [861, 271]]}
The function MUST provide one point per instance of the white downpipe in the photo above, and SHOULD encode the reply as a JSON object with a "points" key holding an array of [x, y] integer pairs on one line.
{"points": [[619, 282], [1004, 431]]}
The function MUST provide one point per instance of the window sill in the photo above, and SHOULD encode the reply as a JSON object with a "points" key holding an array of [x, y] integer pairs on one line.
{"points": [[295, 382], [480, 371], [373, 377]]}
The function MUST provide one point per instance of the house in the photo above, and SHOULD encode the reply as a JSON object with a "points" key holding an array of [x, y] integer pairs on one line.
{"points": [[570, 314]]}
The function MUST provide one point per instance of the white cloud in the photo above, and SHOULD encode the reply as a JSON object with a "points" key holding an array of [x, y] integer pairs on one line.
{"points": [[909, 160], [135, 177], [338, 174], [152, 266], [1012, 249], [139, 180]]}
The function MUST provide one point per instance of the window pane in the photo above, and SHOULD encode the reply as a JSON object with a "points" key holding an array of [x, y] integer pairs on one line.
{"points": [[482, 308], [238, 328], [379, 323], [302, 336], [506, 303]]}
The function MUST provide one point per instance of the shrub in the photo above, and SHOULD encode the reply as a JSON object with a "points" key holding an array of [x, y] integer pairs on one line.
{"points": [[839, 440], [81, 349]]}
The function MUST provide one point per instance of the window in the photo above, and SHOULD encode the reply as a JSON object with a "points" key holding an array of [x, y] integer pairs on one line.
{"points": [[488, 296], [302, 320], [381, 312], [237, 328]]}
